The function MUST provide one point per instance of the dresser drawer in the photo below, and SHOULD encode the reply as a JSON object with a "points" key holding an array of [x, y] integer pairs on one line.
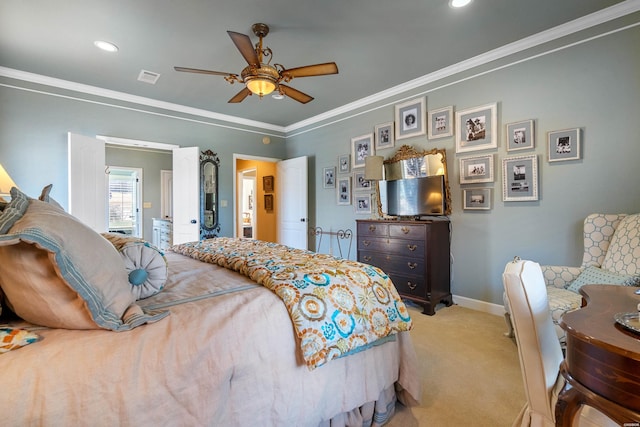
{"points": [[367, 229], [407, 231], [373, 244], [377, 259], [407, 285], [404, 265], [410, 248]]}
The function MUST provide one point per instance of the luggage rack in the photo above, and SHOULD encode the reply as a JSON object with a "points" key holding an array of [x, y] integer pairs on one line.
{"points": [[341, 238]]}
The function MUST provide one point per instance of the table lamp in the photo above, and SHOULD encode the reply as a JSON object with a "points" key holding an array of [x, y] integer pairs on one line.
{"points": [[5, 184]]}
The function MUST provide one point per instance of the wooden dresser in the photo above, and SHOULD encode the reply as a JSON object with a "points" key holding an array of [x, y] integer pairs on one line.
{"points": [[415, 255]]}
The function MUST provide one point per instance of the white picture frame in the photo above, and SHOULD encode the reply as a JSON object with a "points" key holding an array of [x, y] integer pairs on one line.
{"points": [[344, 163], [477, 128], [385, 136], [362, 203], [329, 177], [476, 199], [520, 135], [476, 169], [410, 118], [441, 123], [520, 178], [563, 145], [361, 147], [343, 190]]}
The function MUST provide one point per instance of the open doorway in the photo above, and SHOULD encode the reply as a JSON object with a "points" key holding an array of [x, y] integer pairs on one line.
{"points": [[125, 200], [251, 216], [247, 196]]}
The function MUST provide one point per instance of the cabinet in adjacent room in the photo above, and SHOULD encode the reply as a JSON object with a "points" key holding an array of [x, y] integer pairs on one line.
{"points": [[415, 255], [162, 233]]}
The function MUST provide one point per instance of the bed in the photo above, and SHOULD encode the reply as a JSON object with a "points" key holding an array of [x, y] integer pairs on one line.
{"points": [[215, 343]]}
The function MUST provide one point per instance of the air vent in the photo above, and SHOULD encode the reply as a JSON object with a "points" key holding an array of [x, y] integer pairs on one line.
{"points": [[148, 77]]}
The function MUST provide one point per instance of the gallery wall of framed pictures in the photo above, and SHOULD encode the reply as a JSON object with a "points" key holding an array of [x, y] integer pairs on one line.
{"points": [[475, 134]]}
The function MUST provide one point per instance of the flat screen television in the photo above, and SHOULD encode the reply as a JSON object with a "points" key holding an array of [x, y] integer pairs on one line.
{"points": [[413, 197]]}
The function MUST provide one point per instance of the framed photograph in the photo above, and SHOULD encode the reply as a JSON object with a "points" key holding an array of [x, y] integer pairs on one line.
{"points": [[476, 199], [564, 145], [361, 147], [384, 136], [520, 178], [410, 119], [476, 169], [268, 202], [359, 183], [329, 177], [344, 164], [477, 128], [440, 123], [267, 184], [344, 190], [520, 135], [362, 203]]}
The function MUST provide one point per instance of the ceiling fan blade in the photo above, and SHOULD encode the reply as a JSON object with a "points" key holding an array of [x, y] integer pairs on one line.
{"points": [[312, 70], [295, 94], [197, 70], [244, 45], [240, 96]]}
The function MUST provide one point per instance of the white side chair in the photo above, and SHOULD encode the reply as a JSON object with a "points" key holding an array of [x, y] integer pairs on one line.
{"points": [[538, 348]]}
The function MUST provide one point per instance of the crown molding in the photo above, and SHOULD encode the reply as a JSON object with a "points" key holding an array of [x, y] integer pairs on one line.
{"points": [[619, 10], [121, 96], [583, 23]]}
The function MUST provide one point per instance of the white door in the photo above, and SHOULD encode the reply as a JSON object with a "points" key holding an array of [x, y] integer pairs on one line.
{"points": [[87, 181], [291, 186], [186, 195]]}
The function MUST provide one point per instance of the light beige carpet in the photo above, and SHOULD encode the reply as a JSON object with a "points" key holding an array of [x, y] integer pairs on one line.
{"points": [[469, 369]]}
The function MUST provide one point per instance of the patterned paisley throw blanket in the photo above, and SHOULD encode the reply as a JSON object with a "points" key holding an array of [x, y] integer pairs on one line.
{"points": [[337, 306]]}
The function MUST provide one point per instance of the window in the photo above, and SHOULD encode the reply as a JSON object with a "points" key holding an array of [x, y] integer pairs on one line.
{"points": [[124, 201]]}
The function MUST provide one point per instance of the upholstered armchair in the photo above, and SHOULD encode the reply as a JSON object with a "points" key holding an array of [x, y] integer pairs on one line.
{"points": [[611, 256]]}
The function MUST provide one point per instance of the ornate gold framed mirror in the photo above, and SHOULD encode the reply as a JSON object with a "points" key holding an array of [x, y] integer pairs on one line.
{"points": [[408, 163]]}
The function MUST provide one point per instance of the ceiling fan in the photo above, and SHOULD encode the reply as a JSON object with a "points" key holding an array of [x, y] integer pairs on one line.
{"points": [[262, 78]]}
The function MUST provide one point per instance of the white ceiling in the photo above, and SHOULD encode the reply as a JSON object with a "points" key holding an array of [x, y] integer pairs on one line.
{"points": [[377, 44]]}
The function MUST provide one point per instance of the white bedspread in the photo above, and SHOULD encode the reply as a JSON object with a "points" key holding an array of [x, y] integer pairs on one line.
{"points": [[227, 360]]}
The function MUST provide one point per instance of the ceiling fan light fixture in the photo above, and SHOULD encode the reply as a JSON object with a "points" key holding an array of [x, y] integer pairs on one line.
{"points": [[260, 86], [261, 81]]}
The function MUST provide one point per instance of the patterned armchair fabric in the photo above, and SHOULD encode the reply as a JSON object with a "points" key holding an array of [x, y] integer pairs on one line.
{"points": [[611, 242]]}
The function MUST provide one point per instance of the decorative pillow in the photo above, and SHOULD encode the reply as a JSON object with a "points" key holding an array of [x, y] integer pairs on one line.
{"points": [[44, 196], [57, 272], [12, 339], [146, 265], [597, 276], [14, 210]]}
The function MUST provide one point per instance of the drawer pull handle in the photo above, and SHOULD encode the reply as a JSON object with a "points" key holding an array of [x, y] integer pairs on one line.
{"points": [[412, 265], [367, 258], [412, 247], [411, 286], [372, 228], [405, 230], [366, 243]]}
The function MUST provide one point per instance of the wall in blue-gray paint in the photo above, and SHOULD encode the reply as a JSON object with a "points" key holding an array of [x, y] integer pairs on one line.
{"points": [[594, 86], [34, 126]]}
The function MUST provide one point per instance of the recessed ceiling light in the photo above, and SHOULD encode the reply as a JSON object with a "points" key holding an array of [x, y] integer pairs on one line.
{"points": [[459, 3], [277, 95], [106, 46]]}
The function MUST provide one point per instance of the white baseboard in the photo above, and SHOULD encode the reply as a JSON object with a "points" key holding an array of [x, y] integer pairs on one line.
{"points": [[475, 304]]}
